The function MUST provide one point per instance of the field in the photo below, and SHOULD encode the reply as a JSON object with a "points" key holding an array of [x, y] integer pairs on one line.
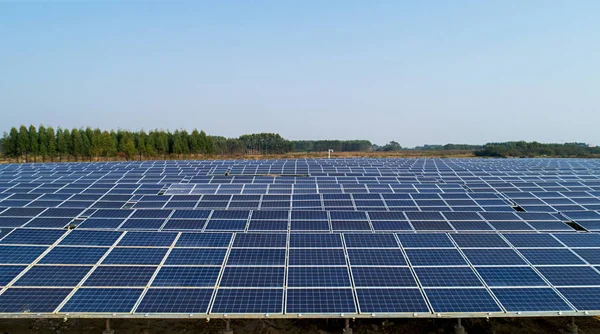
{"points": [[389, 326], [294, 155]]}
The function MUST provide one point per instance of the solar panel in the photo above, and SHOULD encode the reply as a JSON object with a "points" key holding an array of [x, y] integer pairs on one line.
{"points": [[320, 301], [58, 276], [186, 277], [373, 236], [461, 300], [175, 301], [27, 300], [232, 301], [124, 276], [101, 300], [447, 277], [196, 256], [510, 276], [383, 277], [435, 257], [530, 299], [391, 301]]}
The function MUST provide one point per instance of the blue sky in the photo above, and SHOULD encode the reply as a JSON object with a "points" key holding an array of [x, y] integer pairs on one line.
{"points": [[422, 72]]}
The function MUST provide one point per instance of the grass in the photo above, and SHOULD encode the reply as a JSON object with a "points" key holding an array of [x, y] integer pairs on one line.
{"points": [[291, 155]]}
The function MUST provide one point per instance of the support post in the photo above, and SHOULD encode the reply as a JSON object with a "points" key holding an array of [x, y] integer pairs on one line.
{"points": [[107, 329], [228, 329], [347, 328], [571, 327], [459, 329]]}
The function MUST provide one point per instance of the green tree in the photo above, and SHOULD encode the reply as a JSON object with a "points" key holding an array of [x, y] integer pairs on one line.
{"points": [[51, 140], [10, 143], [34, 148], [43, 142], [78, 146], [23, 142], [62, 149]]}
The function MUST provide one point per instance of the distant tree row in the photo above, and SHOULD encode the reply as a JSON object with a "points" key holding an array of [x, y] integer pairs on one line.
{"points": [[535, 149], [336, 145], [46, 143], [389, 147], [449, 147]]}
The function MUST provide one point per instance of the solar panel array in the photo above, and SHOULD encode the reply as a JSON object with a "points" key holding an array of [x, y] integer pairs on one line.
{"points": [[301, 238]]}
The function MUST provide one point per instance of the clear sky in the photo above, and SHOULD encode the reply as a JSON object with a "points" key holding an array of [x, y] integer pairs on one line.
{"points": [[417, 72]]}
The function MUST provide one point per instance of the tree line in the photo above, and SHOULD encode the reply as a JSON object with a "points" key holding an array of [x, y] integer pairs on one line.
{"points": [[336, 145], [535, 149], [45, 143]]}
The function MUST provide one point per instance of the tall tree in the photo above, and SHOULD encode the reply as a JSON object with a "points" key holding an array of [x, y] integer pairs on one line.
{"points": [[34, 147], [43, 142], [51, 140], [10, 143], [62, 149], [23, 142], [78, 149]]}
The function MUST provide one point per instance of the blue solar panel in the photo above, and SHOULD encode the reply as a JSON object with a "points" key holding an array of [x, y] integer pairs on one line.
{"points": [[391, 301], [380, 257], [91, 238], [260, 240], [102, 300], [53, 276], [493, 257], [435, 257], [318, 277], [309, 215], [315, 241], [148, 239], [571, 276], [270, 215], [532, 240], [186, 277], [239, 214], [370, 240], [256, 257], [175, 301], [320, 301], [590, 255], [248, 301], [313, 257], [461, 300], [479, 240], [28, 300], [551, 256], [425, 240], [582, 298], [384, 215], [196, 256], [204, 240], [190, 214], [579, 239], [49, 222], [447, 277], [101, 223], [510, 276], [530, 299], [135, 256], [8, 273], [256, 277], [74, 255], [151, 214], [20, 254], [32, 237], [383, 277], [126, 276]]}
